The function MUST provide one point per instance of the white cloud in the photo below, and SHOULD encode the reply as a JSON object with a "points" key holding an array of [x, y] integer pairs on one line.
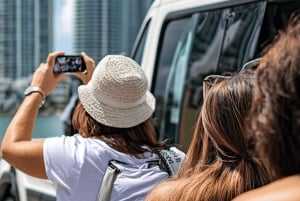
{"points": [[67, 16]]}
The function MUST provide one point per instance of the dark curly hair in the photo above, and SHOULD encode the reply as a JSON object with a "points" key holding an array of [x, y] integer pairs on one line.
{"points": [[275, 113]]}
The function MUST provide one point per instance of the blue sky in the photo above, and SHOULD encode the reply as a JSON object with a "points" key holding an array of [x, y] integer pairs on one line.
{"points": [[63, 25]]}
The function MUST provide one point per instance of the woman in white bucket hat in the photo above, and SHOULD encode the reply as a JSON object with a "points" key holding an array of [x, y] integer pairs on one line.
{"points": [[114, 121]]}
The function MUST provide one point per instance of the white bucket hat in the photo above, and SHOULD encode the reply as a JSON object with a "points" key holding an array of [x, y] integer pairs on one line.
{"points": [[117, 94]]}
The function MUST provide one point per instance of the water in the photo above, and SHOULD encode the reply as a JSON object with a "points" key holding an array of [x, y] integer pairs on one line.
{"points": [[45, 126]]}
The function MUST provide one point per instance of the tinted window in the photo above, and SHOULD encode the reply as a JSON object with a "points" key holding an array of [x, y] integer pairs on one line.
{"points": [[276, 17], [203, 60], [190, 49], [137, 55], [243, 25], [172, 58], [223, 40]]}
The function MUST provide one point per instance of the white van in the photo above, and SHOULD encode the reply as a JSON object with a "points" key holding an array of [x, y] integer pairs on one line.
{"points": [[182, 41]]}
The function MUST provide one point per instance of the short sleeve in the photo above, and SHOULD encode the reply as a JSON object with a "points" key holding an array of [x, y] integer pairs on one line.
{"points": [[63, 157]]}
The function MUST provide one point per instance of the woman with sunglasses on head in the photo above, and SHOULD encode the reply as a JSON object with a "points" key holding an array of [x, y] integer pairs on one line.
{"points": [[220, 163], [275, 113]]}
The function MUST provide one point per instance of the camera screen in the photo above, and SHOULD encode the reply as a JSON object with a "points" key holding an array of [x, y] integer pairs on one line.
{"points": [[69, 64]]}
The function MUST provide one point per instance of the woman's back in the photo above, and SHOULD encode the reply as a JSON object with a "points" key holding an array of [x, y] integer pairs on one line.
{"points": [[89, 159]]}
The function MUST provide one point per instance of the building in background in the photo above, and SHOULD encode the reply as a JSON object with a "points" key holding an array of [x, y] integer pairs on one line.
{"points": [[107, 26], [26, 38]]}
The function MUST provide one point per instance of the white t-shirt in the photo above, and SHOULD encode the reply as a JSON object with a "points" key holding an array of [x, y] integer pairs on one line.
{"points": [[76, 166]]}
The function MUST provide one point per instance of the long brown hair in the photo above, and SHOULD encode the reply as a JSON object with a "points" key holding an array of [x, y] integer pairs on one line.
{"points": [[135, 140], [220, 163], [276, 108]]}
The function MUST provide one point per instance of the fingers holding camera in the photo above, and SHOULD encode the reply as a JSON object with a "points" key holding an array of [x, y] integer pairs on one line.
{"points": [[44, 78], [51, 57], [90, 67]]}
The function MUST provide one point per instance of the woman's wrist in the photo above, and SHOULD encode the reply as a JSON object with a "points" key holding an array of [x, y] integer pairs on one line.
{"points": [[36, 90]]}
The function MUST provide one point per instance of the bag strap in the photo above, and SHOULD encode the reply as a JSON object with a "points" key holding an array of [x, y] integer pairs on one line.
{"points": [[108, 181], [169, 161]]}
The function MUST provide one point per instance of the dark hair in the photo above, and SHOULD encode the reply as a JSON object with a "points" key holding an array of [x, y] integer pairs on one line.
{"points": [[219, 164], [135, 140], [275, 113]]}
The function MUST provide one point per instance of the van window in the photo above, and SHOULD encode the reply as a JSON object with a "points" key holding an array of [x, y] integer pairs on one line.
{"points": [[175, 81], [139, 50], [224, 40], [191, 48], [275, 18], [203, 60], [243, 25], [187, 42], [174, 44]]}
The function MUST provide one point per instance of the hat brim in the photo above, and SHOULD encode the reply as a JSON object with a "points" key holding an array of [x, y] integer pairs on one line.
{"points": [[115, 117]]}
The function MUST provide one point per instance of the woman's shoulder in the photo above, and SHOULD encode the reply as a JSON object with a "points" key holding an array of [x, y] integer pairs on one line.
{"points": [[161, 191], [286, 189], [76, 143], [94, 148]]}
